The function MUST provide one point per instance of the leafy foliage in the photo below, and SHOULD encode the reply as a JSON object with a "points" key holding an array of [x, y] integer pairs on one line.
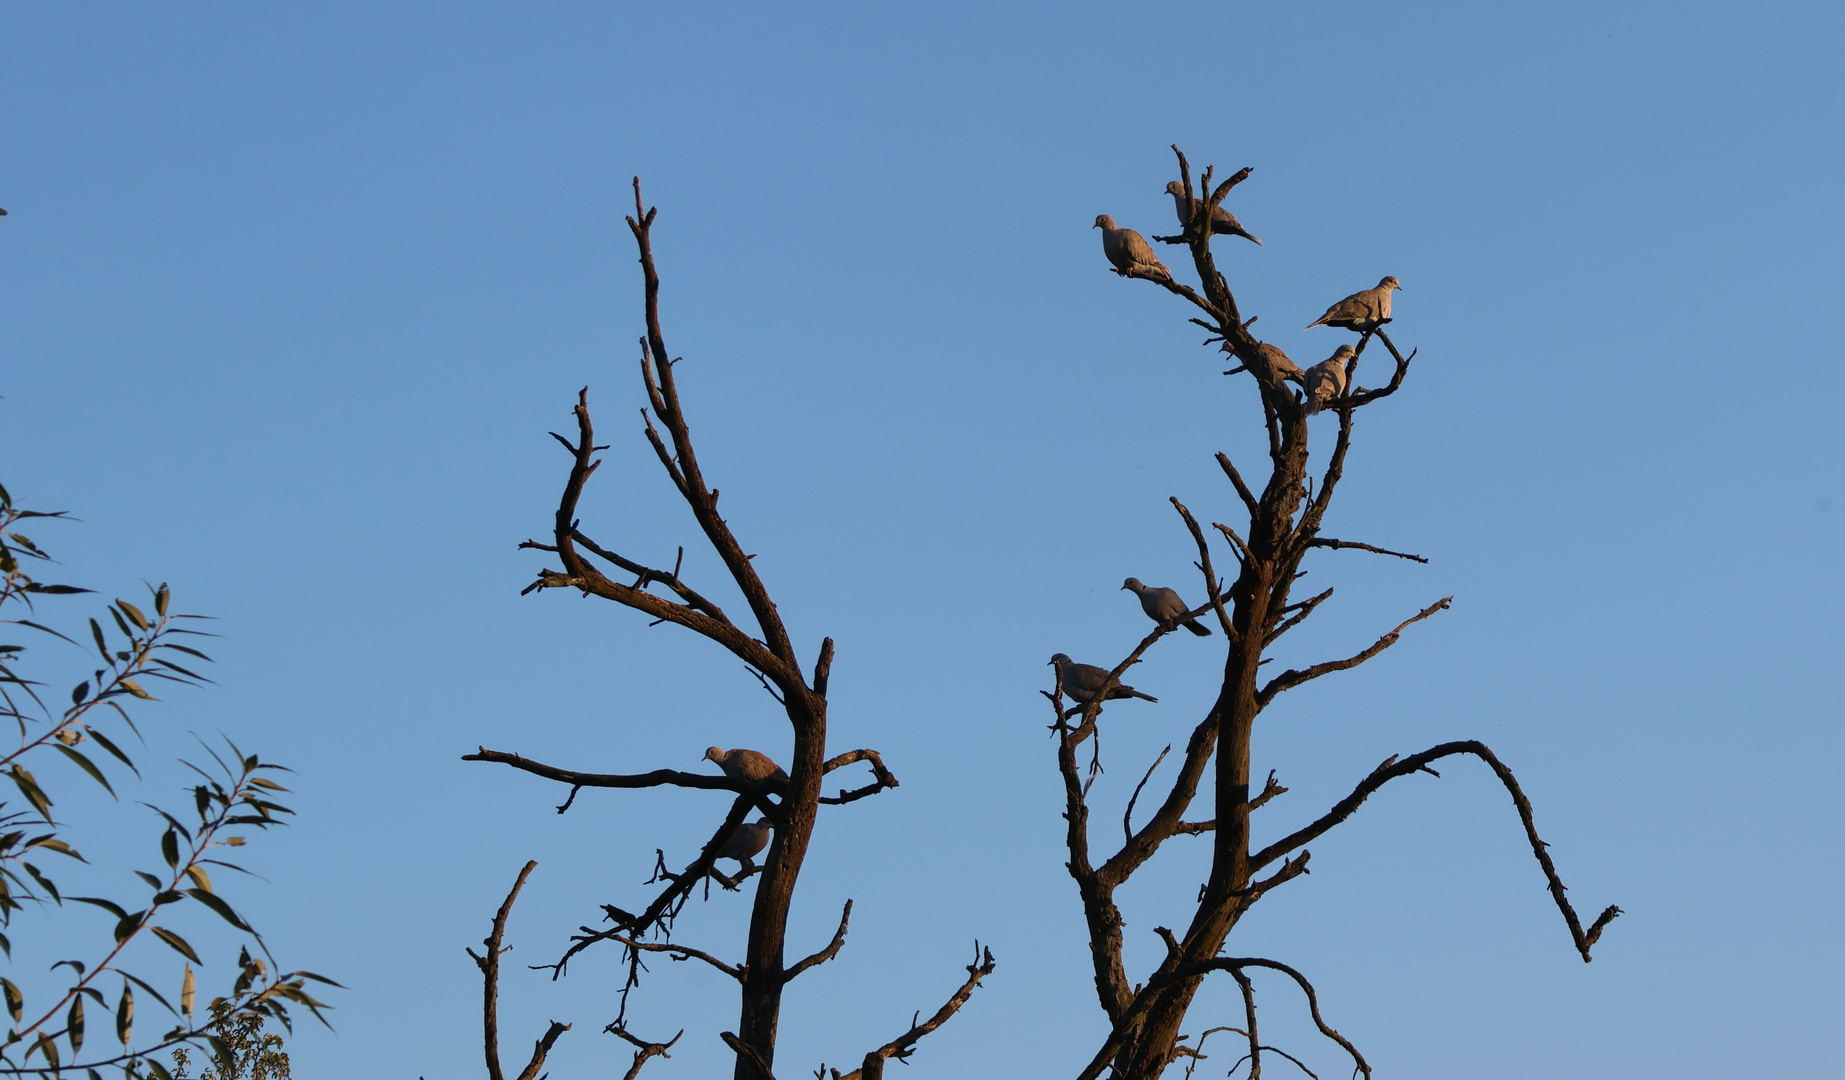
{"points": [[240, 1050], [233, 793]]}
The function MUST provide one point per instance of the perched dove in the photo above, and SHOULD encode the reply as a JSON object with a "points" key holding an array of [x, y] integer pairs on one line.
{"points": [[1360, 311], [743, 844], [749, 766], [1222, 221], [1162, 605], [1279, 363], [1081, 680], [1129, 252], [1326, 379]]}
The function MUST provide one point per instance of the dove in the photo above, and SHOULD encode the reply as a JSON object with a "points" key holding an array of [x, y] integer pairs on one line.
{"points": [[1129, 252], [1081, 680], [1279, 363], [749, 766], [1162, 605], [1326, 379], [1222, 221], [743, 844], [1360, 311]]}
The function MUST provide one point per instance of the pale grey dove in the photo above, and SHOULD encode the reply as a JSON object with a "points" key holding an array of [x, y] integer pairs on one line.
{"points": [[743, 844], [1326, 379], [750, 766], [1163, 605], [1129, 251], [1360, 311], [1223, 222], [1279, 363], [1080, 681]]}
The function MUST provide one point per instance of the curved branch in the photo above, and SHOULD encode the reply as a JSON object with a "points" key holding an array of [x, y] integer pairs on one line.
{"points": [[1291, 678], [881, 777], [677, 952], [1238, 963], [1391, 769], [903, 1045], [832, 950], [644, 1050]]}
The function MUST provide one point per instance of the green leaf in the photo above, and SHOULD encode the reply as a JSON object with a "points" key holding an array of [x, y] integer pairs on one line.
{"points": [[15, 1001], [30, 789], [129, 924], [187, 991], [43, 881], [157, 1071], [270, 784], [134, 688], [74, 1025], [199, 877], [111, 747], [161, 596], [125, 1015], [102, 643], [44, 1045], [152, 881], [88, 766], [211, 901], [134, 613], [179, 945], [79, 692], [52, 843], [169, 847], [109, 906]]}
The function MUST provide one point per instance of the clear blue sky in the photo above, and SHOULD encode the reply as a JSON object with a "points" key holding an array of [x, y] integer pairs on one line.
{"points": [[289, 297]]}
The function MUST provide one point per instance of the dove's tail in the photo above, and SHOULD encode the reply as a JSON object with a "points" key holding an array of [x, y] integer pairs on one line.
{"points": [[1198, 628]]}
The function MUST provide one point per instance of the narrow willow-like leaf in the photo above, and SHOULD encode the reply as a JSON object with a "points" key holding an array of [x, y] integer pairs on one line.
{"points": [[187, 991], [74, 1025], [30, 789], [179, 945], [134, 613], [169, 847], [113, 749], [15, 1001], [83, 761], [125, 1015]]}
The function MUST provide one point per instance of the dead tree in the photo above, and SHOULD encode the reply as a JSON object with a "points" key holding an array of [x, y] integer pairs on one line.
{"points": [[1284, 524], [791, 803]]}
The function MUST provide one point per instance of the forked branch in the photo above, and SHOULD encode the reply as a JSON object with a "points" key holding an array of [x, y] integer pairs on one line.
{"points": [[489, 965]]}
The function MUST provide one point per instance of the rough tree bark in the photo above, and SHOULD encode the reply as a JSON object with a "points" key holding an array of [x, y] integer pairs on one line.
{"points": [[792, 808], [1284, 524]]}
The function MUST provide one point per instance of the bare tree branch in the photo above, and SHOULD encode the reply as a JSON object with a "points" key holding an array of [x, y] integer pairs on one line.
{"points": [[1329, 542], [644, 1051], [677, 952], [904, 1045], [1127, 816], [1291, 678], [489, 965], [881, 777], [1391, 769], [832, 950]]}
